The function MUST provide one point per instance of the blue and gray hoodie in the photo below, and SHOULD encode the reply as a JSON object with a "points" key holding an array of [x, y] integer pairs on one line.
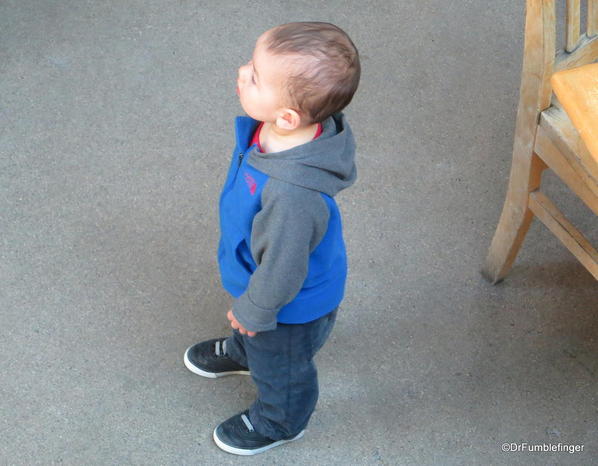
{"points": [[281, 252]]}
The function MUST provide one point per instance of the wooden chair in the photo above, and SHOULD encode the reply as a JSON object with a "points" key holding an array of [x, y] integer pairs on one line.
{"points": [[557, 131]]}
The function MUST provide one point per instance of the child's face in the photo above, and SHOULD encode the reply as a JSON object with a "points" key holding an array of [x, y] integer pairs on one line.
{"points": [[260, 84]]}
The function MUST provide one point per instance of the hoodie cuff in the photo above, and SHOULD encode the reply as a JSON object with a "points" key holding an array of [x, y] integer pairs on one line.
{"points": [[252, 317]]}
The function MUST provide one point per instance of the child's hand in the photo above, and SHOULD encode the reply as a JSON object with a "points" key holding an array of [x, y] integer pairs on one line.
{"points": [[234, 323]]}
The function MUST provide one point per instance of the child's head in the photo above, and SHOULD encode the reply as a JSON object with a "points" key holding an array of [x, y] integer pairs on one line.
{"points": [[300, 74]]}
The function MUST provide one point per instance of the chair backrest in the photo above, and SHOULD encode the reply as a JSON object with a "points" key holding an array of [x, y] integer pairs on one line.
{"points": [[579, 49], [542, 58], [540, 34]]}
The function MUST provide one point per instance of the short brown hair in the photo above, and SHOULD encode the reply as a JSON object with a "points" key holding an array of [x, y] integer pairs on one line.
{"points": [[329, 70]]}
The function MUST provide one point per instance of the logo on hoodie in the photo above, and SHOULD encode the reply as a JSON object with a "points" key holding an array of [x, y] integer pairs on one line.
{"points": [[251, 183]]}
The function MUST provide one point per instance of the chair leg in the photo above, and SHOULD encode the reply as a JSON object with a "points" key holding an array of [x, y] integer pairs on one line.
{"points": [[516, 217]]}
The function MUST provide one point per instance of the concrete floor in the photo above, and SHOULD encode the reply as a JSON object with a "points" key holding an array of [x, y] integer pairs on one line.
{"points": [[115, 135]]}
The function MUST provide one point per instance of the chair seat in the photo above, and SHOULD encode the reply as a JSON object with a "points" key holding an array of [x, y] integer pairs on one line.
{"points": [[559, 145], [577, 92]]}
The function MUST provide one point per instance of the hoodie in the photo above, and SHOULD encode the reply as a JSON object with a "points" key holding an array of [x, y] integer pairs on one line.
{"points": [[281, 252]]}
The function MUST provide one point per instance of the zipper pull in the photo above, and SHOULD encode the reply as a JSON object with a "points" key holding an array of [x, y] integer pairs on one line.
{"points": [[241, 155]]}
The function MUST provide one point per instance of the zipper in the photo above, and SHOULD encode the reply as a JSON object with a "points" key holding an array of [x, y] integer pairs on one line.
{"points": [[241, 155]]}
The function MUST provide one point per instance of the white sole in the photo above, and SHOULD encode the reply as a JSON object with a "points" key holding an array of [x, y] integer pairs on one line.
{"points": [[239, 451], [211, 375]]}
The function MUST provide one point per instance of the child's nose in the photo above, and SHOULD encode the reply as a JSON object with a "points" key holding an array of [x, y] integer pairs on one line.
{"points": [[242, 73]]}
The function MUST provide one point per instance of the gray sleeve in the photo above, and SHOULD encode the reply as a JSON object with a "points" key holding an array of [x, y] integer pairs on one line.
{"points": [[290, 225]]}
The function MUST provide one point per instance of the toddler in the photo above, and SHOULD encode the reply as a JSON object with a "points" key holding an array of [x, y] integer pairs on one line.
{"points": [[281, 253]]}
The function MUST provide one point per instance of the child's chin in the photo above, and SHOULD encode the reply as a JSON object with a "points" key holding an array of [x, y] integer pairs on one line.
{"points": [[249, 114], [243, 107]]}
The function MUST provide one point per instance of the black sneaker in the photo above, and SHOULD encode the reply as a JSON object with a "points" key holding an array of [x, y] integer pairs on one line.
{"points": [[236, 435], [209, 359]]}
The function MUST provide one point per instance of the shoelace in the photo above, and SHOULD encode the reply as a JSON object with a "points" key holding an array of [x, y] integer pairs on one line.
{"points": [[220, 349], [247, 422]]}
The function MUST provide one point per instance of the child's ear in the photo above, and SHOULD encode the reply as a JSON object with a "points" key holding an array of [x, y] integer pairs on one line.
{"points": [[288, 119]]}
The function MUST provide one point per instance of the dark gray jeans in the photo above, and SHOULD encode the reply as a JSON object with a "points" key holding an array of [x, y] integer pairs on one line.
{"points": [[282, 367]]}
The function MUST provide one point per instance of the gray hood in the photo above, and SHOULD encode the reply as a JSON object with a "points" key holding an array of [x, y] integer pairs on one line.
{"points": [[326, 164]]}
